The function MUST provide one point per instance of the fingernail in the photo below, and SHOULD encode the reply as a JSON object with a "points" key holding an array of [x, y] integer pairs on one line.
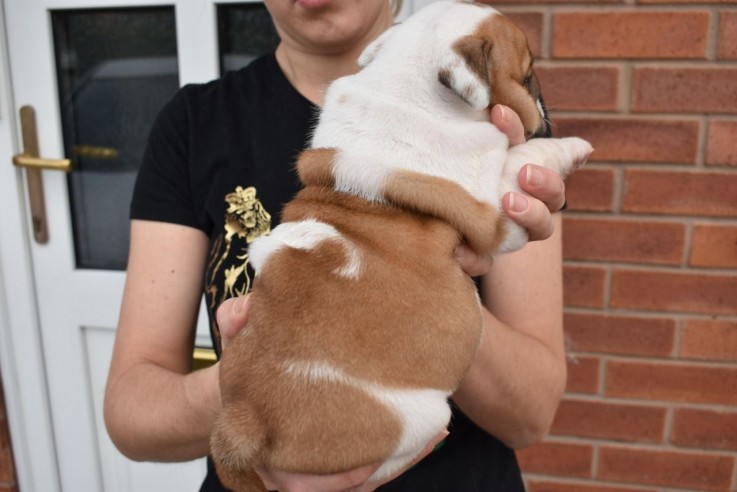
{"points": [[503, 112], [533, 176], [517, 203]]}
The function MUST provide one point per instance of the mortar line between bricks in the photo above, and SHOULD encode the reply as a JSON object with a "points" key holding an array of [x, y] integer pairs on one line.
{"points": [[640, 446], [652, 268], [690, 363], [563, 480], [668, 424], [702, 143], [626, 87], [706, 407], [598, 216], [712, 41], [688, 242]]}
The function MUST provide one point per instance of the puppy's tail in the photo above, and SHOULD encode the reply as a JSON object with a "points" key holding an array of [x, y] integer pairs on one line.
{"points": [[235, 445]]}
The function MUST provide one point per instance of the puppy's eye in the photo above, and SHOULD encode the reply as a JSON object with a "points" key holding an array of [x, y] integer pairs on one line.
{"points": [[527, 79]]}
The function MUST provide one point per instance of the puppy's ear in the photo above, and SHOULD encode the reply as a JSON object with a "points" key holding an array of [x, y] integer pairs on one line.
{"points": [[369, 53], [465, 70]]}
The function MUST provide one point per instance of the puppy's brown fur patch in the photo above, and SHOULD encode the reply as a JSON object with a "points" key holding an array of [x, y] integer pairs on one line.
{"points": [[506, 66], [299, 303]]}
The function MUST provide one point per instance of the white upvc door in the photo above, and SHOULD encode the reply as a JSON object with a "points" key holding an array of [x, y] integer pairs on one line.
{"points": [[92, 73], [59, 298]]}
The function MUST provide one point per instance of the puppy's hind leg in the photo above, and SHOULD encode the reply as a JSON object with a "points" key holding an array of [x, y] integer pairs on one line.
{"points": [[235, 444]]}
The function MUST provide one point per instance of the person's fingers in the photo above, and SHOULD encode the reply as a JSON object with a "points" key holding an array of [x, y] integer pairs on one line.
{"points": [[231, 316], [427, 450], [506, 120], [544, 184], [472, 263], [300, 482], [530, 213]]}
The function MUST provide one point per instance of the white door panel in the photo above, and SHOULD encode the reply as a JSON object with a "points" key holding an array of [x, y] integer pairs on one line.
{"points": [[59, 301]]}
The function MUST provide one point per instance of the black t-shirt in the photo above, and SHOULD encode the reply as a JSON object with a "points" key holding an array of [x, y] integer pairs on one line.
{"points": [[220, 158]]}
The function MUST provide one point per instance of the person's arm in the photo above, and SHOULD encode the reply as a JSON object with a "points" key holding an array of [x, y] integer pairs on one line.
{"points": [[156, 409], [518, 376]]}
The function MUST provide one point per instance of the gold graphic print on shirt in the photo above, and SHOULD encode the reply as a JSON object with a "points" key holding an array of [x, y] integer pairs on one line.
{"points": [[228, 272]]}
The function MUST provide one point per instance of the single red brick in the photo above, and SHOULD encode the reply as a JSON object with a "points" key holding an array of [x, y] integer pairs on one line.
{"points": [[580, 88], [630, 335], [707, 429], [611, 421], [684, 90], [591, 189], [674, 292], [635, 140], [722, 143], [680, 193], [7, 468], [583, 375], [714, 245], [727, 34], [532, 25], [666, 468], [555, 458], [675, 382], [613, 34], [546, 486], [624, 241], [583, 286], [709, 339]]}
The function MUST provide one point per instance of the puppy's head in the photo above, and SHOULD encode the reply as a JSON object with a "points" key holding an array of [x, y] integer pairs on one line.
{"points": [[493, 65]]}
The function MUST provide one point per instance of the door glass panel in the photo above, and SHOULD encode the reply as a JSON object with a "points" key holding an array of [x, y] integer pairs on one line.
{"points": [[116, 68], [245, 32]]}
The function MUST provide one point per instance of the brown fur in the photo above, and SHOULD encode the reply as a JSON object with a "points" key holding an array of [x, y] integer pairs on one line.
{"points": [[504, 66], [410, 320], [378, 330], [480, 224]]}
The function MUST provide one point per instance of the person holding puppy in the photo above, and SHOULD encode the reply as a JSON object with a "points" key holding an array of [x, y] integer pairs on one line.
{"points": [[217, 169]]}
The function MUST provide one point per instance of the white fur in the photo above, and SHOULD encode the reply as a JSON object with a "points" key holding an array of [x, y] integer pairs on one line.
{"points": [[305, 235], [563, 155], [395, 115], [424, 412]]}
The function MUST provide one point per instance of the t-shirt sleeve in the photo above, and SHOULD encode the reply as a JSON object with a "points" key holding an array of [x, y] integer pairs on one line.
{"points": [[163, 189]]}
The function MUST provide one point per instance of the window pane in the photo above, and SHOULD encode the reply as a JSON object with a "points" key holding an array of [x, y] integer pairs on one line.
{"points": [[245, 32], [116, 68]]}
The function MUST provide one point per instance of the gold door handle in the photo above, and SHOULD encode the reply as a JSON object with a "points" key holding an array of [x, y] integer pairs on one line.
{"points": [[203, 357], [34, 164], [22, 160]]}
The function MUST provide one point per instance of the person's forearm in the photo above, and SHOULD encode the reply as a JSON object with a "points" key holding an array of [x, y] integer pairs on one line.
{"points": [[514, 385], [153, 414]]}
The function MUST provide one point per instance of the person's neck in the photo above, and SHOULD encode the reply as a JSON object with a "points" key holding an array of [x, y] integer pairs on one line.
{"points": [[311, 73]]}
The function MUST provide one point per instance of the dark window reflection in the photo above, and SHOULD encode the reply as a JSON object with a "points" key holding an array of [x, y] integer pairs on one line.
{"points": [[116, 68], [246, 32]]}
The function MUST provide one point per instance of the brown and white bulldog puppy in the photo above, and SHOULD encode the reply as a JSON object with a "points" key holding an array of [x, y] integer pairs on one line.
{"points": [[361, 322]]}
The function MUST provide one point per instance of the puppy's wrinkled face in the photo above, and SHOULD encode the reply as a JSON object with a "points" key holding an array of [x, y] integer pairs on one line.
{"points": [[500, 65]]}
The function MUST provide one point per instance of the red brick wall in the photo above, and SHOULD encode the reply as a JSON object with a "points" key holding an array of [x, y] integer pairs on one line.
{"points": [[650, 243], [7, 469]]}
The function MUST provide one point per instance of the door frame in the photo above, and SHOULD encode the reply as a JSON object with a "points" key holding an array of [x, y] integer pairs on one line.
{"points": [[22, 367]]}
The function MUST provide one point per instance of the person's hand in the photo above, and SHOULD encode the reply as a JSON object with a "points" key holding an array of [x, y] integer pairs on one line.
{"points": [[232, 316], [545, 189], [544, 186]]}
